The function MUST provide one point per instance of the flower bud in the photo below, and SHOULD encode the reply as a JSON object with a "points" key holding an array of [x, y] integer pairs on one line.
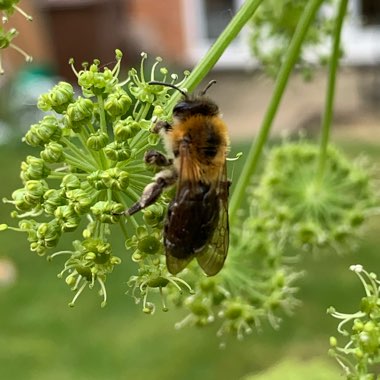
{"points": [[79, 114], [79, 200], [115, 179], [57, 99], [97, 140], [153, 215], [70, 182], [107, 211], [96, 181], [34, 191], [67, 218], [95, 82], [48, 129], [34, 168], [20, 202], [118, 151], [126, 129], [52, 199], [53, 152], [117, 103]]}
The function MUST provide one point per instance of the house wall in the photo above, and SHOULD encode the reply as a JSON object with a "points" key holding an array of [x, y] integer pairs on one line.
{"points": [[157, 27]]}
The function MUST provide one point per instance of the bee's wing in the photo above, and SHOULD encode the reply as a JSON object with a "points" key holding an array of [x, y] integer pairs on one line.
{"points": [[188, 175], [211, 258]]}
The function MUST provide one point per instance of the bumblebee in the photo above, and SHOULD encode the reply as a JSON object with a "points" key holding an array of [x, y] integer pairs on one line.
{"points": [[196, 224]]}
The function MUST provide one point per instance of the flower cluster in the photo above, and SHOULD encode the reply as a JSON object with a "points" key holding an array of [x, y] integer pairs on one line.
{"points": [[89, 169], [275, 23], [7, 7], [315, 210], [361, 332]]}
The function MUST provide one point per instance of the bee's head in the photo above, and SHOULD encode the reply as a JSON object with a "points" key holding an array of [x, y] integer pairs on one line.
{"points": [[193, 105]]}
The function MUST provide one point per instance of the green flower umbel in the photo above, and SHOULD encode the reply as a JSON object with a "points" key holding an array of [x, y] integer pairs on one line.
{"points": [[317, 211], [89, 169]]}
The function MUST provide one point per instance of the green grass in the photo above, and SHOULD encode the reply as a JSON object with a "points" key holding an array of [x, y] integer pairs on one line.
{"points": [[42, 338]]}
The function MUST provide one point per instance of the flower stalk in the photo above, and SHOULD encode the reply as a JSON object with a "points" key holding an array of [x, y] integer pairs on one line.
{"points": [[290, 59], [330, 92]]}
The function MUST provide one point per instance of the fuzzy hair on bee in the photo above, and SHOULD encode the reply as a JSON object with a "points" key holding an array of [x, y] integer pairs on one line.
{"points": [[196, 224]]}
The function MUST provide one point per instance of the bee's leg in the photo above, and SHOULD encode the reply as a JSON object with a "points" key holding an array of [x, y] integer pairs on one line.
{"points": [[153, 157], [153, 190]]}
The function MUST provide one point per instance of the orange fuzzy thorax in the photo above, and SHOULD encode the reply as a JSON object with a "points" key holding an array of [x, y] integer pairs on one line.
{"points": [[204, 141]]}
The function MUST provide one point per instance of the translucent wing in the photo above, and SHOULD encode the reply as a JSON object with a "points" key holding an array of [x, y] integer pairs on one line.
{"points": [[183, 211], [211, 258]]}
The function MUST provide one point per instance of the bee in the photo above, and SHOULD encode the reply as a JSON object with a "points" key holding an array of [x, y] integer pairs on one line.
{"points": [[196, 224]]}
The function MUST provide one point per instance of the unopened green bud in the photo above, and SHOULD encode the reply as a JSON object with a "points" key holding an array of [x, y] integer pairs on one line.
{"points": [[97, 140], [154, 215], [48, 234], [79, 200], [117, 103], [70, 182], [96, 82], [57, 99], [67, 218], [79, 114], [126, 129], [48, 129], [53, 152], [34, 190], [107, 211], [52, 199], [118, 151], [34, 168], [20, 202], [95, 180], [115, 179]]}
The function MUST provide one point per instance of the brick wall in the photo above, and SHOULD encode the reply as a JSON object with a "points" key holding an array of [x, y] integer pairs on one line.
{"points": [[157, 27]]}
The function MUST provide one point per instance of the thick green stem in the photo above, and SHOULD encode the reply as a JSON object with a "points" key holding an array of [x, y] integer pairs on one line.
{"points": [[241, 18], [289, 61], [330, 94]]}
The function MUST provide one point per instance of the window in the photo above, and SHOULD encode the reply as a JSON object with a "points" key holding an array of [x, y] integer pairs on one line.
{"points": [[370, 12], [217, 13]]}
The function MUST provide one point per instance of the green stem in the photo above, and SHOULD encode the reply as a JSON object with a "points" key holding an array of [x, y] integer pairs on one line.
{"points": [[103, 123], [78, 152], [243, 15], [330, 92], [289, 61]]}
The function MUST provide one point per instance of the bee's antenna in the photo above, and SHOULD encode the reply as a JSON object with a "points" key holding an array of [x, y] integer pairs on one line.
{"points": [[169, 85], [207, 87]]}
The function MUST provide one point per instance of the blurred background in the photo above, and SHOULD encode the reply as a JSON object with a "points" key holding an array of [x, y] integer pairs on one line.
{"points": [[41, 338]]}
